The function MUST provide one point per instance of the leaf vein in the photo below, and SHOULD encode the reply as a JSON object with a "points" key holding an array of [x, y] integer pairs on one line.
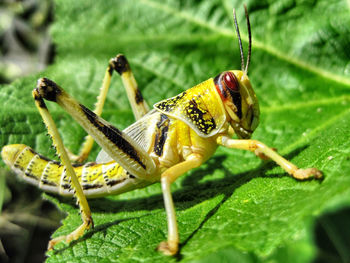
{"points": [[314, 132], [256, 44]]}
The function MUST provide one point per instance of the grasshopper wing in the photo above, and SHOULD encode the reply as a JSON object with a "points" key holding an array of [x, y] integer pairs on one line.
{"points": [[141, 131]]}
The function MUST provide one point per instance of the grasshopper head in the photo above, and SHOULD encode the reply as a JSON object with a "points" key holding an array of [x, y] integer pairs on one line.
{"points": [[237, 94], [239, 100]]}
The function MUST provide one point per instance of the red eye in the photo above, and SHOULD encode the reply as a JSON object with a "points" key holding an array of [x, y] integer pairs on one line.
{"points": [[231, 81]]}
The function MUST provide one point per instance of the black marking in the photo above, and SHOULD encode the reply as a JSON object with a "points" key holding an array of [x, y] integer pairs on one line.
{"points": [[18, 159], [56, 162], [41, 156], [66, 186], [114, 182], [47, 182], [114, 135], [31, 176], [170, 104], [161, 134], [90, 186], [138, 97], [39, 99], [29, 167], [218, 84], [90, 222], [237, 100], [163, 118], [130, 175], [110, 69], [196, 115], [120, 64], [65, 177], [49, 89], [32, 151], [46, 159], [18, 166], [216, 79], [90, 164]]}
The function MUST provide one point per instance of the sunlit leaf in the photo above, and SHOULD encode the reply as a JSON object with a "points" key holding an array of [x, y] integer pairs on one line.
{"points": [[234, 206]]}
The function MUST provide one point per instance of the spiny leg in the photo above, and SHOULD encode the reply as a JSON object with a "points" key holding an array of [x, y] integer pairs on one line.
{"points": [[138, 104], [171, 246], [118, 145], [261, 149], [136, 100], [57, 142], [101, 98]]}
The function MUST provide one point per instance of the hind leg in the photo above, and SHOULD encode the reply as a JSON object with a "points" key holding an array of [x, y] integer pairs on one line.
{"points": [[81, 199]]}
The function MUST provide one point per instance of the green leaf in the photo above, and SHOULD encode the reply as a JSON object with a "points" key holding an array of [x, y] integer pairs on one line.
{"points": [[234, 206]]}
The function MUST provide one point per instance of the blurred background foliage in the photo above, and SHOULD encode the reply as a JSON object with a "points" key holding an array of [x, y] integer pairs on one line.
{"points": [[25, 45], [26, 221]]}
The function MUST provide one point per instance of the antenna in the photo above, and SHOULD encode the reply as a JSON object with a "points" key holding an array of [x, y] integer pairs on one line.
{"points": [[245, 69], [250, 40], [239, 39]]}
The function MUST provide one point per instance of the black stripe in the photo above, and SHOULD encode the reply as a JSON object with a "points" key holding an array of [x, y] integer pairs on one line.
{"points": [[47, 182], [89, 164], [90, 186], [66, 186], [138, 97], [114, 135], [130, 175], [114, 182], [43, 157], [161, 135]]}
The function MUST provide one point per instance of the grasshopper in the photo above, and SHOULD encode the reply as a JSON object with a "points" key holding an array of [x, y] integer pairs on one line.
{"points": [[177, 135]]}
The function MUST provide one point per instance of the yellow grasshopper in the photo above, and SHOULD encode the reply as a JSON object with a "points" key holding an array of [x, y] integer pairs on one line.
{"points": [[177, 135]]}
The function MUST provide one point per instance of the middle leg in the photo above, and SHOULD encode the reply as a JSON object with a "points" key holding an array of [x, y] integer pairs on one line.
{"points": [[171, 246]]}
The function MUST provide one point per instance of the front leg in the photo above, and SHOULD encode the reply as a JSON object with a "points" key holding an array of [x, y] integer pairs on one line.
{"points": [[261, 149]]}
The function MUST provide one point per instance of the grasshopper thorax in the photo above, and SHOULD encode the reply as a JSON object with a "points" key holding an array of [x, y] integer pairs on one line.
{"points": [[239, 100]]}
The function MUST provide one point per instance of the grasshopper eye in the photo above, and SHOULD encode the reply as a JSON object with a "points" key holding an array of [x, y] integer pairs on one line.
{"points": [[230, 81], [228, 88]]}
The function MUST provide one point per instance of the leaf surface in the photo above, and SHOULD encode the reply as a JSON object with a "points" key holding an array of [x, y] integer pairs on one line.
{"points": [[234, 206]]}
